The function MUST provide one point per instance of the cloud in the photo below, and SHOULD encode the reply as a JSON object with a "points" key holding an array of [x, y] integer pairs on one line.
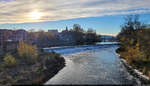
{"points": [[17, 11]]}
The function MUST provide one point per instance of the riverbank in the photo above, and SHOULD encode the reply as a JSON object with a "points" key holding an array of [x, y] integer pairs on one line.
{"points": [[48, 65], [139, 77]]}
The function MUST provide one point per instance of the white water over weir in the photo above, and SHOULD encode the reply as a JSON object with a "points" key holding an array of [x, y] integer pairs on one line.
{"points": [[91, 64]]}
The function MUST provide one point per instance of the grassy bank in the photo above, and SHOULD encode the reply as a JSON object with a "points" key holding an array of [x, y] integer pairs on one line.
{"points": [[29, 66], [23, 72]]}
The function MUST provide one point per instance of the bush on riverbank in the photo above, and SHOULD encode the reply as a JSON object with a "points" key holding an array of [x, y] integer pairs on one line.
{"points": [[135, 44], [9, 60], [15, 68]]}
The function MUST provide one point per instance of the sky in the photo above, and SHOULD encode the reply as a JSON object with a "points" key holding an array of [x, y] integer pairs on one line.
{"points": [[105, 16]]}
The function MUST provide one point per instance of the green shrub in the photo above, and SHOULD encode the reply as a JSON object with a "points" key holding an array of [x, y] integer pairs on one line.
{"points": [[9, 60]]}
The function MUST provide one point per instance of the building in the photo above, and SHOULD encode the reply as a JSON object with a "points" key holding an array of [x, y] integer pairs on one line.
{"points": [[10, 46], [5, 34], [13, 35], [66, 37], [54, 31], [9, 39], [18, 35]]}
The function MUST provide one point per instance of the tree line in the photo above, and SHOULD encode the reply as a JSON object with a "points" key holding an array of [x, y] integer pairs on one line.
{"points": [[77, 33], [84, 37]]}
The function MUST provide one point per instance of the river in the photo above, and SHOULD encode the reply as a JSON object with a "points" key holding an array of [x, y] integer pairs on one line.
{"points": [[97, 64]]}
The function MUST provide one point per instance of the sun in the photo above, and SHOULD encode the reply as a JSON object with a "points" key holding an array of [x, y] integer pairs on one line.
{"points": [[35, 15]]}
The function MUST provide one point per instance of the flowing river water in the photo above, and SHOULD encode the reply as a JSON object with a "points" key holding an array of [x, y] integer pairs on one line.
{"points": [[97, 64]]}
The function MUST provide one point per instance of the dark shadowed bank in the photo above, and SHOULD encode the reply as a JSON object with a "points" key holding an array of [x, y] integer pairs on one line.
{"points": [[24, 72]]}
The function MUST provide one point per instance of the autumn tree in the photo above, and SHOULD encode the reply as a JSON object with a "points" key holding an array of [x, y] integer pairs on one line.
{"points": [[27, 51]]}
